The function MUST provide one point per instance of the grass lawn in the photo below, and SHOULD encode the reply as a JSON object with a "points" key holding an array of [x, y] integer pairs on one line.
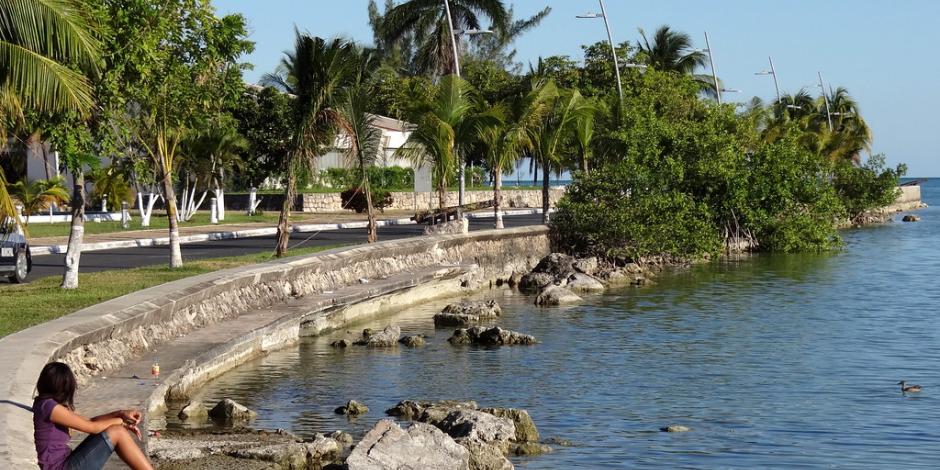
{"points": [[157, 221], [25, 305]]}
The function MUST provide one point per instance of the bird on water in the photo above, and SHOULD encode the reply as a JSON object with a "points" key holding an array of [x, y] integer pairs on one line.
{"points": [[908, 388]]}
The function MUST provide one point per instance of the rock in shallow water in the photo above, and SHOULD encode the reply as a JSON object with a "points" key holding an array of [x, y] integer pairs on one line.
{"points": [[412, 341], [386, 338], [911, 218], [535, 282], [554, 296], [193, 412], [352, 408], [419, 447], [525, 427], [579, 282], [494, 336], [467, 312], [342, 343], [675, 428], [229, 411]]}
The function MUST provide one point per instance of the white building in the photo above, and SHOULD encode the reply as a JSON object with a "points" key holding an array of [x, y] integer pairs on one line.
{"points": [[394, 135]]}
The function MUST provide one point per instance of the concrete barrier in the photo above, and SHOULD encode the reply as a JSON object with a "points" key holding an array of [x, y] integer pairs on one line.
{"points": [[116, 331]]}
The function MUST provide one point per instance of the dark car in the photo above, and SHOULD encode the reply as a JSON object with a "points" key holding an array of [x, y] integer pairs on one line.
{"points": [[15, 259]]}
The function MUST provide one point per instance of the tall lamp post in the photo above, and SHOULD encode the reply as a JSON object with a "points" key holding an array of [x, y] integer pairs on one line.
{"points": [[772, 72], [610, 39], [822, 89], [711, 62], [453, 42]]}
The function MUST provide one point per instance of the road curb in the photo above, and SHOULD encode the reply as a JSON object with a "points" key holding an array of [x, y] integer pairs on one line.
{"points": [[257, 232]]}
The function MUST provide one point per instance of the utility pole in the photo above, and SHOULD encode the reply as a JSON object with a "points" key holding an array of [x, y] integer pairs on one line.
{"points": [[711, 61], [822, 89]]}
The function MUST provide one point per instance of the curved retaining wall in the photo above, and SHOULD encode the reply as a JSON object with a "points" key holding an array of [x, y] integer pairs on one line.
{"points": [[101, 338]]}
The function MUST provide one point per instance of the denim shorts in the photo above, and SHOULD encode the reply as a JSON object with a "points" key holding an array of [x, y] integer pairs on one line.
{"points": [[91, 454]]}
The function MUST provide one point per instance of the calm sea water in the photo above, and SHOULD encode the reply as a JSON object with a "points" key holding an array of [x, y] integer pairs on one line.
{"points": [[773, 361]]}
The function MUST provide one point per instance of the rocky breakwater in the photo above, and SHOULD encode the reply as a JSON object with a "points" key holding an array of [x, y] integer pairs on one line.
{"points": [[487, 434], [560, 279]]}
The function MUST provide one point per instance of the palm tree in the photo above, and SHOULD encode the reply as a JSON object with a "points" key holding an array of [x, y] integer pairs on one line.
{"points": [[314, 73], [426, 22], [362, 137], [554, 133], [515, 135], [442, 125], [584, 133], [39, 195], [37, 39], [218, 148], [672, 51]]}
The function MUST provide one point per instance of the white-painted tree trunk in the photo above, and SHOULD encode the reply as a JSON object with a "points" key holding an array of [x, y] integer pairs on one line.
{"points": [[176, 255], [146, 213], [76, 234]]}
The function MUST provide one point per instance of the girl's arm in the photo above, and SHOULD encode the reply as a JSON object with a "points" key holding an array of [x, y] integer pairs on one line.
{"points": [[128, 416], [69, 419]]}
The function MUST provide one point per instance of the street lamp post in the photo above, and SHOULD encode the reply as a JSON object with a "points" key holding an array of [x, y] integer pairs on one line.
{"points": [[610, 39], [772, 72], [453, 42], [711, 61], [822, 89]]}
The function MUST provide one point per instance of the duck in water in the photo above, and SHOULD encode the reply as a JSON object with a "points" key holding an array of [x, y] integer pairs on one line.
{"points": [[908, 388]]}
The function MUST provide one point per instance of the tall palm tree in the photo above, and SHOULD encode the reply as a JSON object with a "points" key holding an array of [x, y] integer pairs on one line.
{"points": [[39, 195], [516, 134], [584, 133], [315, 72], [219, 146], [426, 22], [363, 139], [37, 39], [673, 51], [442, 125], [554, 133]]}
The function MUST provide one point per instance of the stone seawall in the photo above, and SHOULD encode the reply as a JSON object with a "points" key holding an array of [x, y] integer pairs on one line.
{"points": [[908, 199], [512, 198], [100, 339]]}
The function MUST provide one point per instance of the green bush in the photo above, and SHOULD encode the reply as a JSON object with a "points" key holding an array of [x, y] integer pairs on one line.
{"points": [[866, 187], [392, 178]]}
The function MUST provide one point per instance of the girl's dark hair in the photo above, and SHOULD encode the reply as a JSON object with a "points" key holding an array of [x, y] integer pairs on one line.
{"points": [[57, 382]]}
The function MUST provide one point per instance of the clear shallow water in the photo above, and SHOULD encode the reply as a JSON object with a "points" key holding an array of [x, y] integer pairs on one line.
{"points": [[782, 361]]}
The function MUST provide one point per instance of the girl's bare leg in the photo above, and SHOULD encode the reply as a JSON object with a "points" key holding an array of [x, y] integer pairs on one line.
{"points": [[127, 449]]}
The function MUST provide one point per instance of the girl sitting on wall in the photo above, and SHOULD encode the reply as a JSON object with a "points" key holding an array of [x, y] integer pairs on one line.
{"points": [[54, 417]]}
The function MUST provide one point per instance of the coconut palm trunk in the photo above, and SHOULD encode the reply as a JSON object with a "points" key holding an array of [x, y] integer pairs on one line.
{"points": [[76, 232], [373, 229], [172, 214], [546, 171], [283, 227], [498, 197]]}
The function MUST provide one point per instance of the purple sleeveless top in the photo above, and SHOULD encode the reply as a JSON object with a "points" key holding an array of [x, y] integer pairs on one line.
{"points": [[52, 440]]}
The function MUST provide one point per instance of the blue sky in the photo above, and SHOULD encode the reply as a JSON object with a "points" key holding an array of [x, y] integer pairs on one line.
{"points": [[883, 52]]}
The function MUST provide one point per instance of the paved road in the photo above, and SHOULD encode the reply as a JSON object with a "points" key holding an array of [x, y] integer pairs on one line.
{"points": [[92, 261]]}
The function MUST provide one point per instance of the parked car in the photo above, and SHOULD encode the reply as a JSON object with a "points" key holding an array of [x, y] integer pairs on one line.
{"points": [[15, 259]]}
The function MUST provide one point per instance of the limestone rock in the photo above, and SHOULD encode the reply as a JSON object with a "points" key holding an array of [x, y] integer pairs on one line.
{"points": [[193, 412], [556, 264], [494, 336], [342, 437], [386, 338], [587, 266], [485, 456], [467, 312], [342, 343], [556, 295], [420, 447], [535, 282], [412, 341], [675, 428], [515, 279], [230, 411], [911, 218], [525, 427], [580, 282], [428, 412], [352, 408], [480, 426]]}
